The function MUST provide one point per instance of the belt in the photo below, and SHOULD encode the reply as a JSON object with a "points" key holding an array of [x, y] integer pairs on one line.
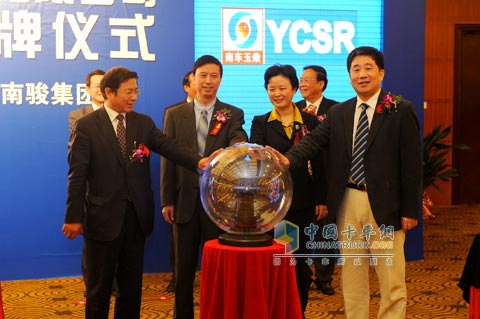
{"points": [[360, 187]]}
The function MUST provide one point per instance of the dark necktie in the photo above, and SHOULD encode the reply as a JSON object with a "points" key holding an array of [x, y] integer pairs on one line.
{"points": [[202, 132], [122, 135], [357, 171]]}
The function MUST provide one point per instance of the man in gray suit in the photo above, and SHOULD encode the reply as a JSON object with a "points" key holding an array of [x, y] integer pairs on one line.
{"points": [[180, 196], [189, 88], [373, 212]]}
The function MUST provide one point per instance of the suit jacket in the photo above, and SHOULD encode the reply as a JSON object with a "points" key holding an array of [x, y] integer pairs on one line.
{"points": [[393, 160], [179, 186], [323, 172], [77, 114], [100, 180], [305, 186]]}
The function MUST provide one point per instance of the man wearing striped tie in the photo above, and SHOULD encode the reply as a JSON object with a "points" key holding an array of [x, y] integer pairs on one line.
{"points": [[374, 183]]}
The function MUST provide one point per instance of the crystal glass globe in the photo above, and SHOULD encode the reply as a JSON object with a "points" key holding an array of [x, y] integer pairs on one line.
{"points": [[246, 194]]}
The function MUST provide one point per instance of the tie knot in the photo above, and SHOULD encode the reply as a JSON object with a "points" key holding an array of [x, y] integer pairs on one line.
{"points": [[364, 106], [120, 117]]}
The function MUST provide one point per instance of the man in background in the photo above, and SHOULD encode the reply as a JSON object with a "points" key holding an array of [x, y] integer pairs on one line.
{"points": [[313, 83], [196, 124], [189, 88]]}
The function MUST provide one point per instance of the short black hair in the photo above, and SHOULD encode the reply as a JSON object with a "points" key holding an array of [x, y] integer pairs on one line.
{"points": [[186, 78], [282, 69], [321, 73], [114, 77], [207, 59], [375, 54], [88, 80]]}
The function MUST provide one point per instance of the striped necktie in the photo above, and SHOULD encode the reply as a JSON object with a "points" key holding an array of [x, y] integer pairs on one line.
{"points": [[202, 132], [357, 171]]}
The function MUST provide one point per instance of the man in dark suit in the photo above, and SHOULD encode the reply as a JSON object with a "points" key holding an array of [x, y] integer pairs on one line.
{"points": [[189, 88], [180, 196], [110, 198], [313, 83], [93, 89], [373, 212]]}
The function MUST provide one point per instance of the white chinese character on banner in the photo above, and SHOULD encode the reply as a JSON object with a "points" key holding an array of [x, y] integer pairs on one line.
{"points": [[81, 35], [12, 93], [148, 3], [82, 95], [63, 1], [36, 94], [5, 34], [62, 94], [27, 29], [98, 2], [125, 34]]}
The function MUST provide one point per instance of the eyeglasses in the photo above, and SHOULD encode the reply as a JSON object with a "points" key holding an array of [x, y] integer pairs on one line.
{"points": [[131, 92], [307, 80]]}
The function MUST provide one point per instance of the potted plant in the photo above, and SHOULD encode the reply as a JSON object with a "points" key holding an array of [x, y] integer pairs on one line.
{"points": [[435, 168]]}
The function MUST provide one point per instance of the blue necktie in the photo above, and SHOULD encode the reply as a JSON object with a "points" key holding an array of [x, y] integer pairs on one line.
{"points": [[202, 132], [357, 171]]}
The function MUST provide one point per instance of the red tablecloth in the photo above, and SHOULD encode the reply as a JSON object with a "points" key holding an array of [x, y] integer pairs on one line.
{"points": [[474, 310], [240, 282], [1, 304]]}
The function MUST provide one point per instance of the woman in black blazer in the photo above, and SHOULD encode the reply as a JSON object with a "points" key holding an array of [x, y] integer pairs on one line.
{"points": [[281, 128]]}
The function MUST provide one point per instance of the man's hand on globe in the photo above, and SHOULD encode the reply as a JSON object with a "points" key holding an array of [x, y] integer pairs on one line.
{"points": [[280, 160], [203, 163]]}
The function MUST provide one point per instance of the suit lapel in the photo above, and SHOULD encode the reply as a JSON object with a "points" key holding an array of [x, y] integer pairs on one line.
{"points": [[376, 121], [348, 118], [322, 108], [278, 128], [132, 133], [106, 129], [211, 138], [189, 124]]}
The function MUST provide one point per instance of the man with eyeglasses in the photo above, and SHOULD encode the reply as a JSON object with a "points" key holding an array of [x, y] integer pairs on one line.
{"points": [[110, 198], [313, 83], [93, 89]]}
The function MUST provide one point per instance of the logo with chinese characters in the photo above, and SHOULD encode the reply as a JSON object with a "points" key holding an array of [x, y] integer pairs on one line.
{"points": [[243, 36]]}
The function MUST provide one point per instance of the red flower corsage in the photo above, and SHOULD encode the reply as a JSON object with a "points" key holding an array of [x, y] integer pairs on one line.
{"points": [[322, 117], [221, 117], [300, 133], [139, 153], [389, 102]]}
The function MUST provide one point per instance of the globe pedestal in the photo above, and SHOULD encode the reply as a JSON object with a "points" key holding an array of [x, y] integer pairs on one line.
{"points": [[246, 194], [250, 240]]}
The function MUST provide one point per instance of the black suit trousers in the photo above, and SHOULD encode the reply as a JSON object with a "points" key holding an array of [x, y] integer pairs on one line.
{"points": [[189, 239], [125, 255]]}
